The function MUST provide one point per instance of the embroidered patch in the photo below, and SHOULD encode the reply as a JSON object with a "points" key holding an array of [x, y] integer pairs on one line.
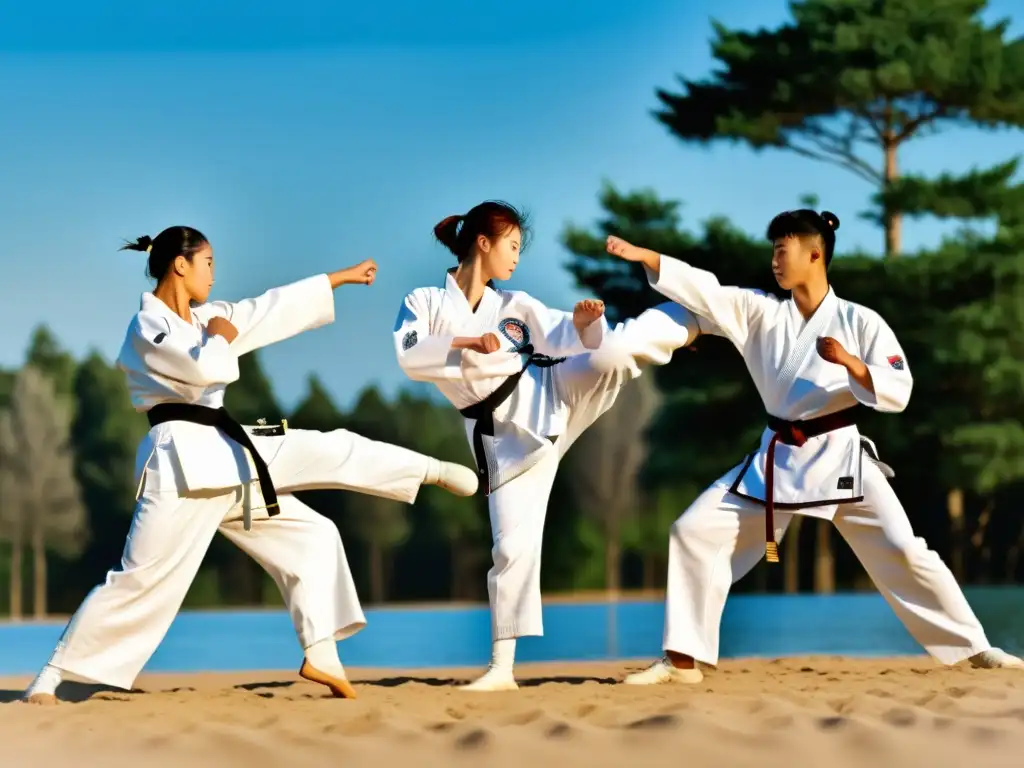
{"points": [[160, 337], [896, 362], [845, 484], [515, 331], [410, 340]]}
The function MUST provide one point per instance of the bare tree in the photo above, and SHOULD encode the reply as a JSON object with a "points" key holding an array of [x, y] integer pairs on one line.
{"points": [[41, 495], [11, 528], [606, 465]]}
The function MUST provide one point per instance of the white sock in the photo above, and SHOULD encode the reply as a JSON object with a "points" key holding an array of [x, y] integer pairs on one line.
{"points": [[46, 681], [433, 473], [503, 654], [323, 655]]}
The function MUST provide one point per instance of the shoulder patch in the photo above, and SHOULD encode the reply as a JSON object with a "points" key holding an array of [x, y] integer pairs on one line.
{"points": [[410, 339], [896, 362], [515, 331]]}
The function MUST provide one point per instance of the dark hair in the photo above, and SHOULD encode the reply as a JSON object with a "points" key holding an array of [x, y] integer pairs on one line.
{"points": [[805, 222], [492, 218], [166, 247]]}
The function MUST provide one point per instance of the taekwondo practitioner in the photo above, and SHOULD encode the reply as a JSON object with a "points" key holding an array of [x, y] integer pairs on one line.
{"points": [[528, 380], [816, 360], [199, 472]]}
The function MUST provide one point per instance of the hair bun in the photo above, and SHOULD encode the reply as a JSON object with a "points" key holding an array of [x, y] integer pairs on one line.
{"points": [[831, 219]]}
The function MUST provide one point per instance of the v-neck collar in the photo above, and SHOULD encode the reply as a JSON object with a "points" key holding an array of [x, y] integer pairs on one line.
{"points": [[459, 298], [150, 303], [823, 311]]}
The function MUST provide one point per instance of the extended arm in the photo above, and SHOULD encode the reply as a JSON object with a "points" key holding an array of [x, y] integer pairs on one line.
{"points": [[278, 314], [730, 309]]}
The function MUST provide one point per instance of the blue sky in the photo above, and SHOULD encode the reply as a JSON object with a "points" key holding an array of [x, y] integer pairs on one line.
{"points": [[303, 137]]}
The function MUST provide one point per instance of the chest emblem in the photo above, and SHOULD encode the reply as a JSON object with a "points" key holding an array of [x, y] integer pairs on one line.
{"points": [[515, 331], [896, 362]]}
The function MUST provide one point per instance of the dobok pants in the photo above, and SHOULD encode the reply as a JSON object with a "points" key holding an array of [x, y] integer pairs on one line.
{"points": [[588, 385], [122, 621], [720, 538]]}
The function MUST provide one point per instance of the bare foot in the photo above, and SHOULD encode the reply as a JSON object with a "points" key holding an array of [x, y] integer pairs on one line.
{"points": [[42, 699], [340, 687]]}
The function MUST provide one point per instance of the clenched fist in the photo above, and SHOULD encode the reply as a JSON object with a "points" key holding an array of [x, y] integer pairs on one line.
{"points": [[362, 273], [488, 343], [587, 311], [221, 326], [832, 351], [616, 246]]}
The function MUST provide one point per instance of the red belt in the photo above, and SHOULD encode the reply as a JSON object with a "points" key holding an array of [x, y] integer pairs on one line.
{"points": [[793, 433]]}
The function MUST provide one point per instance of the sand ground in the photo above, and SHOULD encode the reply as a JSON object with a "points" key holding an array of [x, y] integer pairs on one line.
{"points": [[764, 713]]}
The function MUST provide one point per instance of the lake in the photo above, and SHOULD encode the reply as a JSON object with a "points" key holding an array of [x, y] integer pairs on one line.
{"points": [[855, 624]]}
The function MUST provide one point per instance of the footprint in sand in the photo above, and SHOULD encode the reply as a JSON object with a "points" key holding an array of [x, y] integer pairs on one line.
{"points": [[558, 731], [475, 739], [654, 723], [832, 723], [900, 717], [525, 718]]}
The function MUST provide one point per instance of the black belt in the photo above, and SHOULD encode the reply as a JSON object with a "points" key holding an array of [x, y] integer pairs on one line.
{"points": [[793, 433], [483, 412], [222, 420]]}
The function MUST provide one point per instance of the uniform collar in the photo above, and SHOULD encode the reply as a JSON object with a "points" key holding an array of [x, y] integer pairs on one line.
{"points": [[459, 299]]}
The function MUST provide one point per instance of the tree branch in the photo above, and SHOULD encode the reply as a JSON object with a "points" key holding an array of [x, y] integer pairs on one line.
{"points": [[850, 163], [912, 127]]}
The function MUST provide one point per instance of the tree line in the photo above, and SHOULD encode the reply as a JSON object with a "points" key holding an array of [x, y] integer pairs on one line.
{"points": [[851, 84]]}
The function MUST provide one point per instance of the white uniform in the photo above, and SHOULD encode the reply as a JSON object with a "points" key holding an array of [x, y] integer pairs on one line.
{"points": [[721, 536], [194, 481], [550, 406]]}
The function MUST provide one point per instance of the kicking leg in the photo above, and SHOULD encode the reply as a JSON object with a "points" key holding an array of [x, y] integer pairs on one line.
{"points": [[712, 545], [913, 579], [517, 512], [590, 383], [122, 621], [342, 460], [302, 551]]}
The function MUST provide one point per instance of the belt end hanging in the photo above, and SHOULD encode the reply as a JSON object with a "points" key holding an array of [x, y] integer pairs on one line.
{"points": [[771, 552]]}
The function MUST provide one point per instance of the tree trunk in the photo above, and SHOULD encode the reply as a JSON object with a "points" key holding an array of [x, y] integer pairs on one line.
{"points": [[893, 219], [791, 556], [824, 559], [16, 569], [376, 573], [612, 562], [650, 567], [455, 584], [955, 512], [38, 571]]}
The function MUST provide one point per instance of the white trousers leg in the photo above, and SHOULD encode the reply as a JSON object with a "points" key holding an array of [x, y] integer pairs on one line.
{"points": [[713, 544], [919, 587], [304, 459], [122, 621], [720, 538], [517, 512], [589, 385], [303, 553]]}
